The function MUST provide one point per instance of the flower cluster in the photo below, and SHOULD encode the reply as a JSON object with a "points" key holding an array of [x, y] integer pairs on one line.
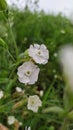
{"points": [[28, 72]]}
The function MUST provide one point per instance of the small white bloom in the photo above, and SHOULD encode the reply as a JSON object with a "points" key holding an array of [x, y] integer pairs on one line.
{"points": [[18, 89], [41, 93], [39, 53], [34, 103], [1, 94], [11, 120], [28, 73], [66, 59]]}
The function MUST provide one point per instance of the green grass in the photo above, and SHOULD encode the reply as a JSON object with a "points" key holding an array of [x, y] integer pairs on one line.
{"points": [[29, 28]]}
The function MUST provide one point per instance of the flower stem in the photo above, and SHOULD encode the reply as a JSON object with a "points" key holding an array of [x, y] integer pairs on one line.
{"points": [[10, 29], [11, 55], [15, 45], [65, 125]]}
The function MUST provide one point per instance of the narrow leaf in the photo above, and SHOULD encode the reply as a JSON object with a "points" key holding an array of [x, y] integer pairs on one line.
{"points": [[3, 43]]}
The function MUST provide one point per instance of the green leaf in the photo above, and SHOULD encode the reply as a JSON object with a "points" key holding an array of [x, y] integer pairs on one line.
{"points": [[4, 80], [54, 109], [51, 128], [68, 99], [3, 5], [4, 8], [3, 43], [70, 115]]}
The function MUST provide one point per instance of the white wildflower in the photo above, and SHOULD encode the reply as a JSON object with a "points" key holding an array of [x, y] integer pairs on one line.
{"points": [[18, 89], [66, 59], [39, 53], [41, 93], [28, 73], [34, 103], [11, 120], [1, 94]]}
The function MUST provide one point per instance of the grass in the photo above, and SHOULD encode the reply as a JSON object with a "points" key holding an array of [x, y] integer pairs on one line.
{"points": [[40, 28]]}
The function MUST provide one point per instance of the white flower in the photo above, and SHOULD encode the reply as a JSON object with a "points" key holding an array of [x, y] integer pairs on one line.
{"points": [[34, 103], [11, 120], [66, 59], [28, 73], [41, 93], [1, 94], [39, 53], [18, 89]]}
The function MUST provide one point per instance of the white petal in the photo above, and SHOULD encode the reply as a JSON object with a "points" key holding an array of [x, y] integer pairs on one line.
{"points": [[45, 61], [18, 89], [32, 52], [24, 79], [34, 76], [37, 100], [39, 59], [11, 120], [43, 47], [36, 46], [20, 74], [35, 109], [1, 94]]}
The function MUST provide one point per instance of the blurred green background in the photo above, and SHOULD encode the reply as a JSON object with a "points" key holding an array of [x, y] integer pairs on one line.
{"points": [[28, 28]]}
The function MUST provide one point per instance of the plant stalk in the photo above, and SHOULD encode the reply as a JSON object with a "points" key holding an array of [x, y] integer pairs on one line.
{"points": [[65, 125]]}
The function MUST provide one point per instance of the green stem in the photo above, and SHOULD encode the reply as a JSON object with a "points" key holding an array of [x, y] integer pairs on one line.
{"points": [[11, 55], [65, 125], [47, 93], [15, 45]]}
